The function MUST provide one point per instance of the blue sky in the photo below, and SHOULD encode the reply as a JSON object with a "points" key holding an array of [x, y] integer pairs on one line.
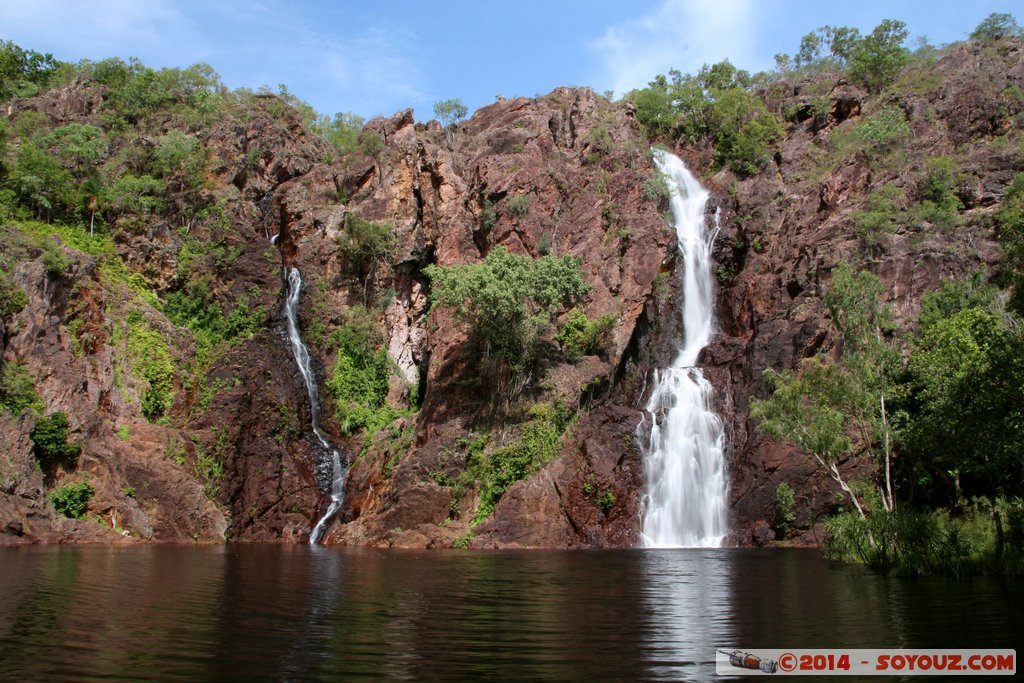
{"points": [[371, 58]]}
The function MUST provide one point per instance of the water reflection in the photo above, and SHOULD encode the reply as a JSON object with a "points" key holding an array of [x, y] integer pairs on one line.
{"points": [[312, 613], [688, 603]]}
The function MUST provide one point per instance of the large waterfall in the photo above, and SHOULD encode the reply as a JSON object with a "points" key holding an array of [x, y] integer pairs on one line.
{"points": [[329, 473], [686, 497]]}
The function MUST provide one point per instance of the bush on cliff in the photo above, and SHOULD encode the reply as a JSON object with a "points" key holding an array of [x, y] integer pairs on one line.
{"points": [[509, 302], [50, 438]]}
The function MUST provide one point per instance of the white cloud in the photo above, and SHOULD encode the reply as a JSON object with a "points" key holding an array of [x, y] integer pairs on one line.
{"points": [[679, 34]]}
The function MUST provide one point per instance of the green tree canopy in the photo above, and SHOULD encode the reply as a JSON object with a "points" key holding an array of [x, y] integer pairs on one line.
{"points": [[879, 57], [509, 301], [995, 26]]}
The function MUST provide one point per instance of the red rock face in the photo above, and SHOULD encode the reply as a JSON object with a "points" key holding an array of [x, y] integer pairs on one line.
{"points": [[561, 174]]}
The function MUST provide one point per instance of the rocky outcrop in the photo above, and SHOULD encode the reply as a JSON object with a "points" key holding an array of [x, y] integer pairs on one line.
{"points": [[566, 174]]}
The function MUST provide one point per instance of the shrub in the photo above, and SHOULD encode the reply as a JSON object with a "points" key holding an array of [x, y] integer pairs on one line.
{"points": [[509, 301], [365, 244], [50, 439], [582, 336], [501, 467], [785, 498], [937, 190], [882, 128], [519, 204], [883, 213], [359, 381], [12, 299], [744, 130], [71, 500], [55, 260], [18, 391], [151, 361], [655, 188]]}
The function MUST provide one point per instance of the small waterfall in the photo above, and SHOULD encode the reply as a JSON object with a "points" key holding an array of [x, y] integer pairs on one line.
{"points": [[686, 497], [328, 474]]}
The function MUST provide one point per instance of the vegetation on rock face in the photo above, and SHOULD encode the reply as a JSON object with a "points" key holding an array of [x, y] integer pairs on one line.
{"points": [[72, 500], [359, 381], [509, 302], [50, 438], [17, 390]]}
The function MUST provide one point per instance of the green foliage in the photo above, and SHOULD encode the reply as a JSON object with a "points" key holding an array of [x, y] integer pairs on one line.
{"points": [[954, 297], [509, 301], [24, 73], [912, 542], [365, 244], [71, 500], [194, 306], [498, 469], [582, 336], [715, 105], [359, 381], [1010, 230], [151, 361], [137, 197], [937, 190], [342, 131], [884, 212], [883, 128], [123, 433], [12, 299], [519, 204], [209, 469], [450, 112], [822, 406], [55, 260], [878, 58], [744, 130], [655, 188], [785, 499], [606, 501], [180, 160], [995, 26], [40, 185], [966, 415], [18, 390], [50, 441], [828, 48]]}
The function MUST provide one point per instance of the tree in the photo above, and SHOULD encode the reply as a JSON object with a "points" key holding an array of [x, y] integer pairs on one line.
{"points": [[450, 112], [1010, 230], [827, 48], [509, 302], [24, 73], [964, 422], [839, 410], [878, 58], [995, 26], [745, 131]]}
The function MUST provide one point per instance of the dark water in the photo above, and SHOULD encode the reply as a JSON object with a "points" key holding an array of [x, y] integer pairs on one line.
{"points": [[302, 613]]}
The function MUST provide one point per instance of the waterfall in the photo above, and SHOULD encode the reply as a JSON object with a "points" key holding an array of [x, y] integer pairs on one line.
{"points": [[328, 473], [685, 505]]}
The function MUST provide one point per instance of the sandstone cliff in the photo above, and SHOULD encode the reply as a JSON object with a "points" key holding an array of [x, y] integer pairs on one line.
{"points": [[232, 457]]}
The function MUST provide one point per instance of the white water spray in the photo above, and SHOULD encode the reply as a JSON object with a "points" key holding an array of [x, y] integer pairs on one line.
{"points": [[686, 497], [336, 472]]}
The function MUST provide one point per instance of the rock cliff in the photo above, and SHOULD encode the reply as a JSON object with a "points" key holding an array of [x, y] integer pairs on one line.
{"points": [[232, 456]]}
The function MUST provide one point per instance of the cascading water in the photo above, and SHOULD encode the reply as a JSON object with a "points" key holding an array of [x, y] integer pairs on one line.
{"points": [[685, 504], [329, 473]]}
